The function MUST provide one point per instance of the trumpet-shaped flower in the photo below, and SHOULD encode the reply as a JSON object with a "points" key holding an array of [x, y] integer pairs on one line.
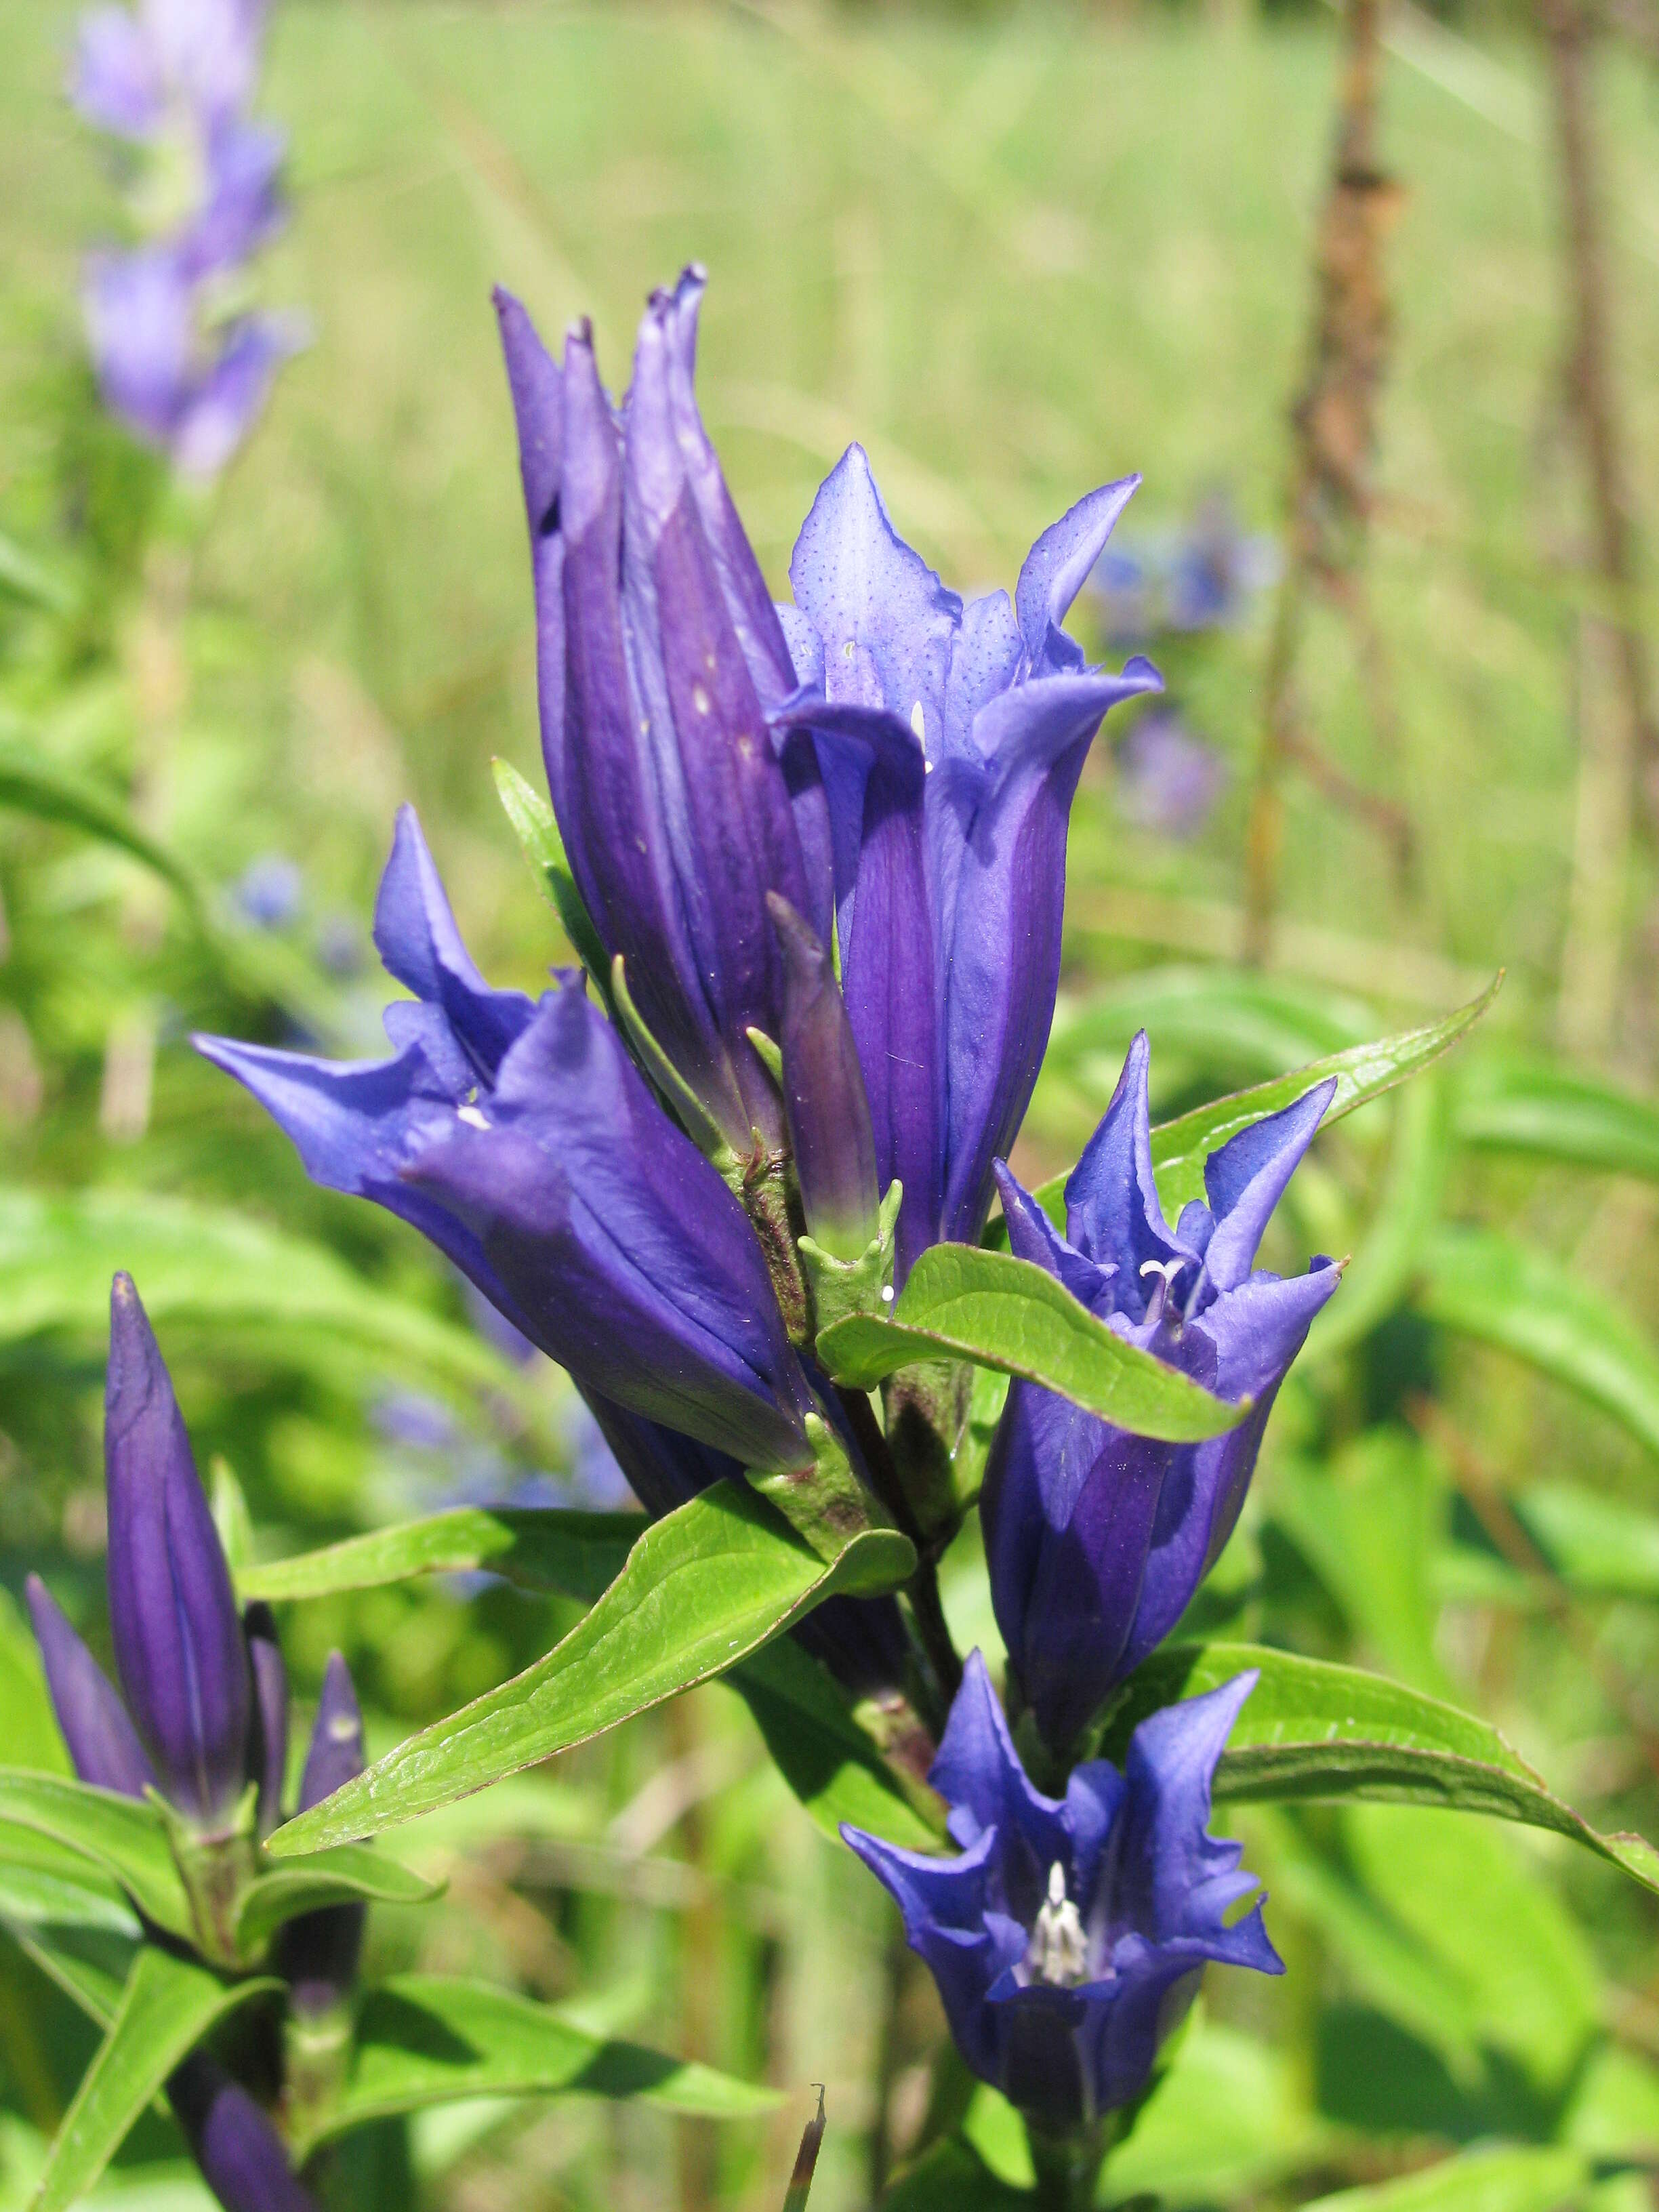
{"points": [[520, 1138], [1097, 1539], [951, 738], [1070, 1935]]}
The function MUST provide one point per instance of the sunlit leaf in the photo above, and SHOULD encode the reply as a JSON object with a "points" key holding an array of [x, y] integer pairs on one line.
{"points": [[349, 1873], [168, 2006], [1481, 1284], [425, 2039], [702, 1590], [121, 1837], [1504, 2177], [1594, 1542], [1311, 1729], [963, 1303]]}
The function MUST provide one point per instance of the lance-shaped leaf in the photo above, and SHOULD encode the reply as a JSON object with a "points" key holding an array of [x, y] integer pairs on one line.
{"points": [[702, 1590], [538, 831], [963, 1302], [1181, 1147], [32, 782], [1482, 1285], [120, 1836], [349, 1874], [825, 1756], [1560, 1113], [1311, 1729], [78, 1930], [168, 2006], [426, 2040]]}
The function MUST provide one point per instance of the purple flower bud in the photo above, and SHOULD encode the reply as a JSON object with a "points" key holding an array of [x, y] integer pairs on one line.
{"points": [[660, 658], [522, 1140], [268, 1736], [318, 1952], [1095, 1539], [179, 1645], [233, 2141], [1071, 1935], [103, 1745], [823, 1096]]}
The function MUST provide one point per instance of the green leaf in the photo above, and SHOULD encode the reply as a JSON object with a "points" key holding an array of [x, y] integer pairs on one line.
{"points": [[32, 782], [1406, 1211], [1478, 1283], [32, 1733], [1363, 1073], [702, 1590], [426, 2040], [122, 1837], [579, 1555], [215, 1270], [1229, 2117], [952, 2176], [349, 1874], [538, 831], [79, 1930], [28, 577], [1505, 2177], [827, 1759], [1311, 1729], [825, 1756], [168, 2006], [1563, 1114], [963, 1302]]}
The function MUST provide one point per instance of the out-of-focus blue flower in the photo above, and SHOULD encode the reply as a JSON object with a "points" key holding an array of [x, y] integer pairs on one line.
{"points": [[951, 738], [269, 891], [1168, 780], [659, 660], [1095, 1539], [1203, 577], [1071, 1935], [174, 81], [521, 1139]]}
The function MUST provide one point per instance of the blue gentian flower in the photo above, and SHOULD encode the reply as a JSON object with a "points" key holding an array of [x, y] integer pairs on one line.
{"points": [[950, 738], [521, 1139], [660, 659], [1071, 1933], [233, 2141], [1095, 1539], [317, 1953], [1168, 778]]}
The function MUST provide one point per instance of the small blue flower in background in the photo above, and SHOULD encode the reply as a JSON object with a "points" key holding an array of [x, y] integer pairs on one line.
{"points": [[270, 891], [1204, 576], [1167, 779], [1070, 1935], [1096, 1539], [179, 354]]}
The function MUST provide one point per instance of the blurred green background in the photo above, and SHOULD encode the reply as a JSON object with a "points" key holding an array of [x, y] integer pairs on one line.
{"points": [[1015, 253]]}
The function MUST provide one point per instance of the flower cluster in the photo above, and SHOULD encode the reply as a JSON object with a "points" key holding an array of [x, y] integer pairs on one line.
{"points": [[816, 862], [200, 1721], [180, 356]]}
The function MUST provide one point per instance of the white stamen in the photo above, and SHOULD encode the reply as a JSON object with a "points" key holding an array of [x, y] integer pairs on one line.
{"points": [[472, 1116], [887, 1294], [1166, 1271], [1060, 1950], [917, 723]]}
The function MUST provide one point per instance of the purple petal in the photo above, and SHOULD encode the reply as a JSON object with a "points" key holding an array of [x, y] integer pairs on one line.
{"points": [[139, 317], [242, 206], [103, 1745], [317, 1952], [1000, 843], [1033, 1236], [1174, 1879], [823, 1095], [208, 49], [112, 77], [179, 1645], [538, 391], [334, 1753], [1246, 1178], [1056, 569], [985, 660], [268, 1740], [223, 406], [979, 1775], [231, 2139], [864, 588], [1112, 1207]]}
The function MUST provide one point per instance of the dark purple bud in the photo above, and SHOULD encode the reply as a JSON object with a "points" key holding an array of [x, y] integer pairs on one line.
{"points": [[268, 1737], [179, 1645], [1071, 1933], [103, 1745], [823, 1094], [232, 2140], [1095, 1539], [318, 1953]]}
